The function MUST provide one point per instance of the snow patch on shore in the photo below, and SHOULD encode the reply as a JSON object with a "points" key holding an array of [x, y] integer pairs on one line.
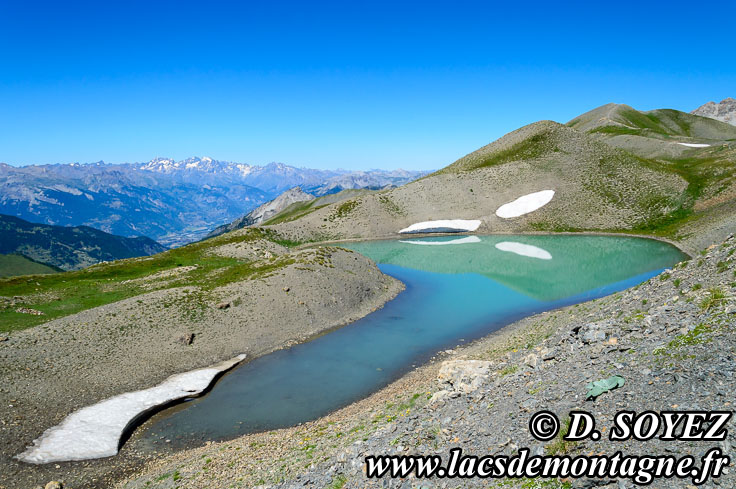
{"points": [[525, 204], [524, 250], [695, 145], [95, 431], [443, 226], [457, 241]]}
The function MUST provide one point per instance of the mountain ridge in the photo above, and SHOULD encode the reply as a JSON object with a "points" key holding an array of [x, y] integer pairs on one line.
{"points": [[265, 211], [172, 202], [668, 173], [69, 248], [724, 111], [256, 289]]}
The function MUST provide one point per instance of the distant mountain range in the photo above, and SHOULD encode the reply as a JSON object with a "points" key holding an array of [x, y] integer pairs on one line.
{"points": [[68, 248], [724, 111], [173, 202]]}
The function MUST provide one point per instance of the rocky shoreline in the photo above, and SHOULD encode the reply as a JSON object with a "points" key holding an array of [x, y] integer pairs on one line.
{"points": [[51, 370], [289, 456], [670, 338]]}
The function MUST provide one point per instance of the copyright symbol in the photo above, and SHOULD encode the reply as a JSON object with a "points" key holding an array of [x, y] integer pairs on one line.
{"points": [[544, 425]]}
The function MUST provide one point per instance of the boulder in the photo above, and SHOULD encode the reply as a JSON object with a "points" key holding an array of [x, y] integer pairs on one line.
{"points": [[532, 360], [463, 376], [593, 336]]}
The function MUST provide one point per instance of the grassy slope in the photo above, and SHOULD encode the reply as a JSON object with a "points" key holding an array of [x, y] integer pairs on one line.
{"points": [[710, 172], [14, 265], [301, 209], [68, 293], [295, 211], [616, 119], [69, 248]]}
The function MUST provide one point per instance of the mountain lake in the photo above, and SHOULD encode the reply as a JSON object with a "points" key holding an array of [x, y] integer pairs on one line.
{"points": [[458, 289]]}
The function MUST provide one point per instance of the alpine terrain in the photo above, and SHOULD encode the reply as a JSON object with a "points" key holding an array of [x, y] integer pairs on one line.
{"points": [[172, 202], [724, 111], [278, 277], [69, 248]]}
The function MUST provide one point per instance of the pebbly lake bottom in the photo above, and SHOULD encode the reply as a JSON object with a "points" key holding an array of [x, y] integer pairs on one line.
{"points": [[457, 289]]}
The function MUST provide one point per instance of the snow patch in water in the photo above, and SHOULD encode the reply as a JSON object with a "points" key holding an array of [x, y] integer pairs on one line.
{"points": [[457, 241], [443, 226], [525, 204], [95, 431], [524, 250]]}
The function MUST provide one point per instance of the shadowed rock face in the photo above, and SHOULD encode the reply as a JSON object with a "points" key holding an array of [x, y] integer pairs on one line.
{"points": [[724, 111]]}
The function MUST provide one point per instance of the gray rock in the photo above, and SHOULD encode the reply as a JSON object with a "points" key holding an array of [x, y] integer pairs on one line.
{"points": [[464, 376], [594, 336], [724, 111], [531, 360], [548, 353]]}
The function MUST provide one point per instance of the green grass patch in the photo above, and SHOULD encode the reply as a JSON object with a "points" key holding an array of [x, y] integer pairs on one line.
{"points": [[338, 482], [715, 296], [509, 370], [538, 483], [344, 210], [616, 130], [533, 147], [14, 265], [560, 446], [392, 207], [694, 337], [295, 211], [67, 293]]}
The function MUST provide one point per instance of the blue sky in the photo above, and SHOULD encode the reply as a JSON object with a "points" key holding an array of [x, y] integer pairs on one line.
{"points": [[345, 84]]}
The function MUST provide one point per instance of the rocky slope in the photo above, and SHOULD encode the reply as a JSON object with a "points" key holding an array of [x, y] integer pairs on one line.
{"points": [[640, 179], [265, 211], [660, 124], [613, 169], [724, 111], [69, 248], [174, 320], [671, 339], [593, 183]]}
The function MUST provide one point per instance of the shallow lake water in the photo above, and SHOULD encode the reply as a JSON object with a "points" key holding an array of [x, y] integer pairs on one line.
{"points": [[457, 289]]}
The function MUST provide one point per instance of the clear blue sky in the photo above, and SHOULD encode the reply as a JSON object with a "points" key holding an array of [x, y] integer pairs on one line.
{"points": [[349, 84]]}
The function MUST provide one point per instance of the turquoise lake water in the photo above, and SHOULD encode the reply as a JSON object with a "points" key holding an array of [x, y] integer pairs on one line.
{"points": [[457, 289]]}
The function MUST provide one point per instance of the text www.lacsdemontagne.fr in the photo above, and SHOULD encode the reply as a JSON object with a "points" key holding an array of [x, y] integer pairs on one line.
{"points": [[641, 469]]}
